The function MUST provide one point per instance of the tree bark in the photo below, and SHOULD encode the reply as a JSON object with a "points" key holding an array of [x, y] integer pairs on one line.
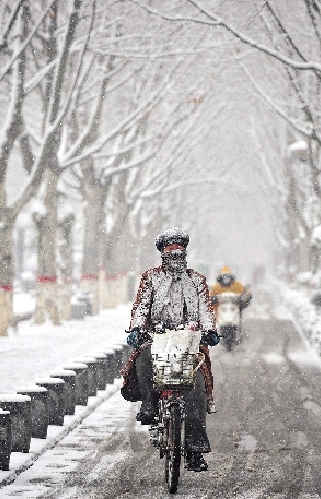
{"points": [[10, 133], [6, 270], [46, 287], [94, 235], [66, 265]]}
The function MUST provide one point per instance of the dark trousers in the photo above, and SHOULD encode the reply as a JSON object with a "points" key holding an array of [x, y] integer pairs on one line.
{"points": [[195, 403]]}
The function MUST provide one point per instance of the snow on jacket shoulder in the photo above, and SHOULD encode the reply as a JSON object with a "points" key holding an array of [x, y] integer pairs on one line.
{"points": [[149, 284]]}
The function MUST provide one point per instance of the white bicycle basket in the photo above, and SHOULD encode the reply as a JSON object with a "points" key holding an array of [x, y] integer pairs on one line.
{"points": [[174, 355]]}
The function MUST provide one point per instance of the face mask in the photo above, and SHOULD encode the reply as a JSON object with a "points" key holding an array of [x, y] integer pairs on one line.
{"points": [[174, 261], [226, 280]]}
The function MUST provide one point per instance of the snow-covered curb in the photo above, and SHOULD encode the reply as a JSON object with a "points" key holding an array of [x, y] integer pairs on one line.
{"points": [[33, 351], [20, 462], [304, 314]]}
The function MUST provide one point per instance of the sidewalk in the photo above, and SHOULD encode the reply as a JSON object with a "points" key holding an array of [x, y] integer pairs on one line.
{"points": [[53, 473], [19, 462], [33, 351]]}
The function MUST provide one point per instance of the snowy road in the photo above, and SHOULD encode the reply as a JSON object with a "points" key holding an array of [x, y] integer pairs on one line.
{"points": [[266, 437]]}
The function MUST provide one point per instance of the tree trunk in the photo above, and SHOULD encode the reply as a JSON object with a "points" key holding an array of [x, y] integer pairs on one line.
{"points": [[6, 271], [11, 129], [94, 233], [46, 287], [66, 266]]}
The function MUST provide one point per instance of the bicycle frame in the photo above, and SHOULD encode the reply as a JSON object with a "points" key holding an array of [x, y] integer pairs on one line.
{"points": [[174, 356], [168, 399], [169, 434]]}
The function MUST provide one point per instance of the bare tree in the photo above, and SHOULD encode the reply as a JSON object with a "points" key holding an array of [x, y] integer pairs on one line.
{"points": [[271, 42], [17, 34]]}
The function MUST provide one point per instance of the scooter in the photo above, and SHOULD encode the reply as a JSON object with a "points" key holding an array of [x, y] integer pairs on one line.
{"points": [[228, 318]]}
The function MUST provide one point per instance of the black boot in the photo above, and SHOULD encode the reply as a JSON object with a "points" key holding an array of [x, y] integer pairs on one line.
{"points": [[147, 414], [201, 463], [196, 462]]}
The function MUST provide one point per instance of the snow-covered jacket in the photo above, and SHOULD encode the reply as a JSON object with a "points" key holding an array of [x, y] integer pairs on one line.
{"points": [[156, 287], [154, 290]]}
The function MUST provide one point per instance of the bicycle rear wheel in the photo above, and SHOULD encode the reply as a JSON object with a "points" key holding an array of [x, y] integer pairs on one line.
{"points": [[173, 461]]}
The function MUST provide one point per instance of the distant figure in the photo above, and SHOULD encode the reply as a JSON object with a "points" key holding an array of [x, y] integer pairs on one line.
{"points": [[226, 283], [228, 299]]}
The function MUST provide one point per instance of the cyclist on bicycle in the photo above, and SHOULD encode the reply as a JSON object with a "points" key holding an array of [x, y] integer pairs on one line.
{"points": [[174, 296]]}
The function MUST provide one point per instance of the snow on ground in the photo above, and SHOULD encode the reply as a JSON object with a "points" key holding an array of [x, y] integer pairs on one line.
{"points": [[296, 305], [20, 462], [23, 304], [281, 301], [49, 470], [34, 350]]}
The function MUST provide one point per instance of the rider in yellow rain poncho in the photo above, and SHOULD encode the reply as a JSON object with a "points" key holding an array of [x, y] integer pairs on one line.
{"points": [[226, 279], [226, 283]]}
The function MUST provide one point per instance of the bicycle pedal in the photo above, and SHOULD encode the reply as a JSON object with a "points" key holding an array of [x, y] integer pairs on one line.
{"points": [[153, 438]]}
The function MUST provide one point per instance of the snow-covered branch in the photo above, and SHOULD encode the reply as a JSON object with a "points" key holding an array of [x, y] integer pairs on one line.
{"points": [[10, 22], [17, 52], [211, 19], [296, 124]]}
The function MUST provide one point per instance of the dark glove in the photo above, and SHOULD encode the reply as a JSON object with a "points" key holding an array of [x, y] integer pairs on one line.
{"points": [[214, 300], [136, 337], [245, 299], [210, 338]]}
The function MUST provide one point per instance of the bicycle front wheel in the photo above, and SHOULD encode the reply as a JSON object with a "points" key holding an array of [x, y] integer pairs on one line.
{"points": [[173, 463]]}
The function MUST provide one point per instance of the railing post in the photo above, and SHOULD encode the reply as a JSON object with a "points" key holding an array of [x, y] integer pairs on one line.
{"points": [[102, 369], [5, 440], [56, 389], [93, 365], [120, 357], [69, 378], [81, 371], [19, 407], [39, 410], [111, 364]]}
